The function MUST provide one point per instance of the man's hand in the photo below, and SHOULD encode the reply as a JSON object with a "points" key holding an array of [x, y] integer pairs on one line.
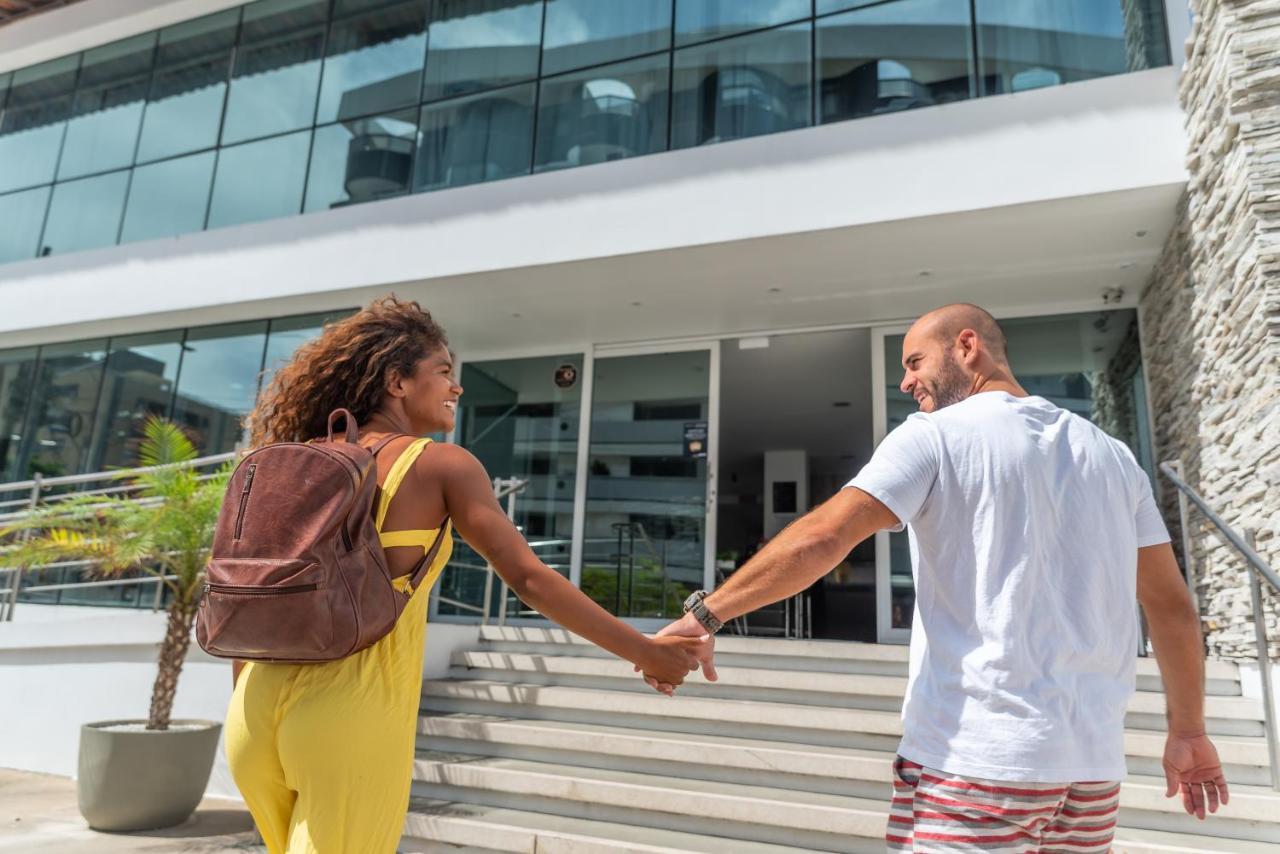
{"points": [[1191, 767], [688, 627]]}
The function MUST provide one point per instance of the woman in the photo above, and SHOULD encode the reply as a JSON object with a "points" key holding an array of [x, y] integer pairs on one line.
{"points": [[323, 753]]}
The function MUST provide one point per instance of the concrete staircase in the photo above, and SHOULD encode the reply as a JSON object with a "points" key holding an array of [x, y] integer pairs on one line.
{"points": [[539, 743]]}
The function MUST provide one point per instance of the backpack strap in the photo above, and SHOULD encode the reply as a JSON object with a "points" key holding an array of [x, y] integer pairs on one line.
{"points": [[384, 441], [425, 563]]}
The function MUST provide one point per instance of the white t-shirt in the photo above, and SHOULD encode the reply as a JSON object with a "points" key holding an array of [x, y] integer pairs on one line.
{"points": [[1024, 521]]}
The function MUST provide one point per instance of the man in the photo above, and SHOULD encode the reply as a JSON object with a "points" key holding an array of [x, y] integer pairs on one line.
{"points": [[1031, 532]]}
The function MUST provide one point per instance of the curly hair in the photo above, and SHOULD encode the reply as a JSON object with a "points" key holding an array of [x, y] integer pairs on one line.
{"points": [[346, 366]]}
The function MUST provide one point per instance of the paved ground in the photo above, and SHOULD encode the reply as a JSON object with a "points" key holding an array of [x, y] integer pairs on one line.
{"points": [[38, 814]]}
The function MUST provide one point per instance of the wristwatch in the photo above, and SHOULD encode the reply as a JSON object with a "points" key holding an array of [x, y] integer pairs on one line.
{"points": [[694, 605]]}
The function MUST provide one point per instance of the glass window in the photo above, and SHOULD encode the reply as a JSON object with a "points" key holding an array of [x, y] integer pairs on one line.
{"points": [[218, 382], [895, 56], [168, 198], [602, 114], [259, 180], [481, 138], [85, 213], [106, 114], [360, 160], [277, 69], [64, 395], [699, 20], [591, 32], [184, 109], [17, 377], [137, 384], [23, 216], [289, 333], [822, 7], [1025, 46], [33, 122], [742, 87], [374, 62], [477, 44]]}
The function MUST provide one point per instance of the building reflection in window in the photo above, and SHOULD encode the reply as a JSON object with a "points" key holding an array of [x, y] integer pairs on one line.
{"points": [[480, 138], [479, 44], [218, 381], [168, 198], [32, 125], [373, 62], [360, 160], [592, 32], [85, 213], [59, 420], [137, 384], [260, 180], [107, 112], [17, 378], [23, 216]]}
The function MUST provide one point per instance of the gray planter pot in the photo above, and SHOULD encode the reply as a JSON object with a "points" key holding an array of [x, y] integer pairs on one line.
{"points": [[142, 780]]}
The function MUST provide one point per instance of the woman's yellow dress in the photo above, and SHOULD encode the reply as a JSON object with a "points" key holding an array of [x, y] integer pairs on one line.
{"points": [[323, 753]]}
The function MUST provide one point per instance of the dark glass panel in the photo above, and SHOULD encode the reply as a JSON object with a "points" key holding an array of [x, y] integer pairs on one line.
{"points": [[481, 138], [23, 216], [480, 44], [360, 160], [825, 6], [289, 333], [742, 87], [895, 56], [603, 114], [374, 62], [218, 383], [85, 213], [33, 122], [168, 198], [591, 32], [137, 384], [699, 20], [184, 109], [17, 377], [110, 95], [277, 69], [260, 180], [59, 422]]}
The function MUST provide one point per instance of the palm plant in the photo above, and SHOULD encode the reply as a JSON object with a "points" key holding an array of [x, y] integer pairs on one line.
{"points": [[164, 528]]}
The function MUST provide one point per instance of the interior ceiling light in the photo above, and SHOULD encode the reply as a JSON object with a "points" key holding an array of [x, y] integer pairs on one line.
{"points": [[637, 303], [840, 404], [775, 290], [1142, 232]]}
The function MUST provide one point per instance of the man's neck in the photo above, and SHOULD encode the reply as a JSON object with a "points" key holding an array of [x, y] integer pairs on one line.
{"points": [[1003, 383]]}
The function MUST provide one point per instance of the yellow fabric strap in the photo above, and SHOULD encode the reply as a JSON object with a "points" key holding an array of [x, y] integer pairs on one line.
{"points": [[420, 537], [395, 477]]}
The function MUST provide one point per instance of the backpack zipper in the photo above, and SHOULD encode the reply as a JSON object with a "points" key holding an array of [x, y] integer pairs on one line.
{"points": [[244, 498], [248, 590]]}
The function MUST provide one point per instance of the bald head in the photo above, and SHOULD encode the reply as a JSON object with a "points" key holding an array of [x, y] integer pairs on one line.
{"points": [[954, 352], [945, 325]]}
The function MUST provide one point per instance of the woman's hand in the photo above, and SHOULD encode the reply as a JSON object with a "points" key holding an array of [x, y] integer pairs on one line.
{"points": [[668, 660]]}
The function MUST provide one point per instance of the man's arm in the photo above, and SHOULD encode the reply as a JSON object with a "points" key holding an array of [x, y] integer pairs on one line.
{"points": [[1191, 763]]}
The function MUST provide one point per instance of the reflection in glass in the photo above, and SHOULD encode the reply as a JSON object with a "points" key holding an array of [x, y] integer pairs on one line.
{"points": [[742, 87], [59, 421], [895, 56], [277, 69], [23, 216], [259, 180], [481, 138], [107, 112], [643, 551], [374, 62], [218, 382], [823, 7], [137, 384], [289, 333], [85, 213], [603, 114], [361, 160], [33, 121], [699, 20], [591, 32], [476, 44], [168, 198], [17, 376], [184, 108]]}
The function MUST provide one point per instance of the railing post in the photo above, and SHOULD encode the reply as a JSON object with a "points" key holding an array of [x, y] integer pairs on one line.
{"points": [[511, 514], [1264, 667], [15, 583], [488, 575], [1188, 567]]}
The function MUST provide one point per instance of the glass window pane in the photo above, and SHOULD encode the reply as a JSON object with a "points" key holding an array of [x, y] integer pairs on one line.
{"points": [[277, 69], [17, 377], [603, 114], [896, 56], [824, 6], [1025, 46], [60, 418], [184, 109], [699, 20], [360, 160], [23, 216], [591, 32], [137, 384], [85, 213], [168, 198], [289, 333], [742, 87], [218, 383], [374, 62], [476, 44], [481, 138], [260, 180], [33, 122], [107, 112]]}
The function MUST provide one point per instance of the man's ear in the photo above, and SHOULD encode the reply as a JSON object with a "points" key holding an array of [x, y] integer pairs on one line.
{"points": [[968, 343]]}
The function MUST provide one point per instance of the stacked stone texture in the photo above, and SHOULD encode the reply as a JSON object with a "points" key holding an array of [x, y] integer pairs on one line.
{"points": [[1211, 313]]}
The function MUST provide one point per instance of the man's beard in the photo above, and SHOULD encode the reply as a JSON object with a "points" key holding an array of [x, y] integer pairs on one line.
{"points": [[951, 386]]}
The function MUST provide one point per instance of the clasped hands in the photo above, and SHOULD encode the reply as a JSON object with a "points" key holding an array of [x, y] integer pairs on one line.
{"points": [[681, 648]]}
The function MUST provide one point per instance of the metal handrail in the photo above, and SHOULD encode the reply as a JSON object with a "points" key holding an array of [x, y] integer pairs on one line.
{"points": [[1258, 571], [111, 474]]}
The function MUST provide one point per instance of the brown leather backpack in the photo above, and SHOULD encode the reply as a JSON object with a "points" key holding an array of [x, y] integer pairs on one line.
{"points": [[297, 573]]}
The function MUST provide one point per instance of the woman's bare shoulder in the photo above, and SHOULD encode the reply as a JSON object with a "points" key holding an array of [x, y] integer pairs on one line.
{"points": [[446, 460]]}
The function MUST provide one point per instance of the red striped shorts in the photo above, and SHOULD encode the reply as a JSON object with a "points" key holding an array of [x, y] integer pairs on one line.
{"points": [[938, 812]]}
